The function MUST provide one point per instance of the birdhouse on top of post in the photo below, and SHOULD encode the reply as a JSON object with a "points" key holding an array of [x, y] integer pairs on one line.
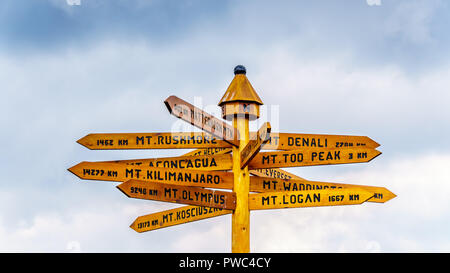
{"points": [[240, 99]]}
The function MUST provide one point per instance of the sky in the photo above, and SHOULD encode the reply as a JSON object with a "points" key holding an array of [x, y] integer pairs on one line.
{"points": [[377, 68]]}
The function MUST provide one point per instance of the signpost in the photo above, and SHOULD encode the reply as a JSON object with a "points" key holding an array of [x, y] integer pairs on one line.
{"points": [[227, 173]]}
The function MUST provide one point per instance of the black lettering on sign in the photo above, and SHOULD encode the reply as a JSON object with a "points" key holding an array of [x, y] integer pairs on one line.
{"points": [[104, 142], [123, 142], [353, 197], [132, 172], [266, 159], [112, 173], [171, 193], [267, 184], [292, 158], [269, 200], [378, 196], [167, 218], [93, 172], [345, 144], [362, 155], [139, 140], [321, 156], [138, 190], [300, 198], [335, 198]]}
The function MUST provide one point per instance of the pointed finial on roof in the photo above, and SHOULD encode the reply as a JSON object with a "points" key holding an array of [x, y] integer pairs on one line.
{"points": [[240, 92]]}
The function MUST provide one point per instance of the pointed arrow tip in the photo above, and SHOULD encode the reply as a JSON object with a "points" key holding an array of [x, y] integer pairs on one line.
{"points": [[84, 141], [169, 103], [376, 154], [74, 169], [390, 195], [122, 188], [376, 144]]}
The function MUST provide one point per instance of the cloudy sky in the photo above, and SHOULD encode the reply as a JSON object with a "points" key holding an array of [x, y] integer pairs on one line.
{"points": [[379, 68]]}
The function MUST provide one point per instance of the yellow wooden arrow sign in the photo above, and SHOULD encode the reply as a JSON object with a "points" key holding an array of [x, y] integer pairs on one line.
{"points": [[200, 119], [267, 184], [189, 140], [206, 163], [177, 216], [287, 141], [178, 194], [313, 198], [123, 172], [311, 157], [253, 146]]}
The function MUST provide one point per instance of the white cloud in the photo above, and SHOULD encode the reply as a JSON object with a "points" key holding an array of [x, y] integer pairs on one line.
{"points": [[400, 225], [411, 21]]}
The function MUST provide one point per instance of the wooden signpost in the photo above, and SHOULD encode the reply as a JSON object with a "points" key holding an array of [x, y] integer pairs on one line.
{"points": [[227, 173]]}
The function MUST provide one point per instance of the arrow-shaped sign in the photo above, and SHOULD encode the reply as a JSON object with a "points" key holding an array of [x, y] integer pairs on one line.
{"points": [[177, 216], [189, 140], [311, 157], [123, 172], [316, 198], [267, 184], [200, 119], [178, 194], [287, 141], [253, 146]]}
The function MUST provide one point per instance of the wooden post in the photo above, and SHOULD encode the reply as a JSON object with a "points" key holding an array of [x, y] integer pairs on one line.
{"points": [[240, 103], [240, 231]]}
